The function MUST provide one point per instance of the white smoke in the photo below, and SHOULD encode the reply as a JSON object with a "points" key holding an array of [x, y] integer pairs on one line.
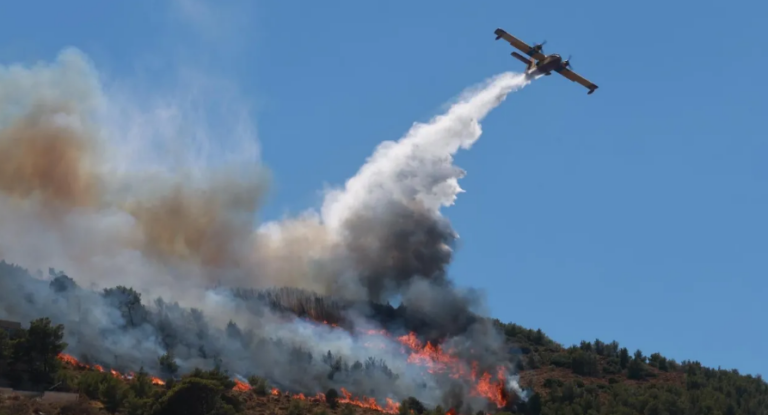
{"points": [[117, 191], [420, 165], [412, 176]]}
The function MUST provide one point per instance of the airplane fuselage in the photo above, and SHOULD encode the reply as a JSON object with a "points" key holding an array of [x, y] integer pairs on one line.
{"points": [[536, 63], [549, 64]]}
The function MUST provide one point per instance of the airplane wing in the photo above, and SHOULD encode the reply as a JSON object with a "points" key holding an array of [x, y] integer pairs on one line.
{"points": [[518, 44], [573, 76]]}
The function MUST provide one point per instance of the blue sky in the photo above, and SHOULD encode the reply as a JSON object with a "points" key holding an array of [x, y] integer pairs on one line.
{"points": [[637, 213]]}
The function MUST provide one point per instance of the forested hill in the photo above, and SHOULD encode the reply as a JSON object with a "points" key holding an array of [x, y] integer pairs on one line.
{"points": [[594, 377]]}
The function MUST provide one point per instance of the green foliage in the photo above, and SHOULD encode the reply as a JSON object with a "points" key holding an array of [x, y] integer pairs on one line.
{"points": [[138, 406], [534, 404], [636, 369], [105, 388], [552, 383], [168, 364], [5, 346], [141, 385], [411, 404], [113, 393], [598, 384], [659, 362], [215, 375], [33, 352], [128, 301], [259, 385], [561, 360], [624, 358], [195, 396], [584, 362]]}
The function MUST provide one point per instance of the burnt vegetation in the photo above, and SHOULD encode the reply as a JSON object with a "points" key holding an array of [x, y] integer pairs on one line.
{"points": [[594, 377]]}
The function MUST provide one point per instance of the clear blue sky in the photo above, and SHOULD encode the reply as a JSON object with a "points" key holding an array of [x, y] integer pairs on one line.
{"points": [[637, 213]]}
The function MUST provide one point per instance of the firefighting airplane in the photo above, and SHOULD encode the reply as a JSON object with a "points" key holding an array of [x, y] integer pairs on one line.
{"points": [[543, 64]]}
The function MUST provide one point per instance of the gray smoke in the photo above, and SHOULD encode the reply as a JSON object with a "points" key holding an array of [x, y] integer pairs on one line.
{"points": [[116, 192]]}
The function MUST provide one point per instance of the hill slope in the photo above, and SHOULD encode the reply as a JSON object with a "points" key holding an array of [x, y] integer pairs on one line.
{"points": [[590, 378]]}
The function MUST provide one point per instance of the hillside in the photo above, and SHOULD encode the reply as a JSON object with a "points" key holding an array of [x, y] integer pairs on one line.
{"points": [[594, 377]]}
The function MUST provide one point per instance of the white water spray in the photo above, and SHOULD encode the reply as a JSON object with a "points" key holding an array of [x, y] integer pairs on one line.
{"points": [[420, 165]]}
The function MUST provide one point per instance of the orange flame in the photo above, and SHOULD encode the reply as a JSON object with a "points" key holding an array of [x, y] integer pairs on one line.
{"points": [[241, 386], [438, 361], [70, 360], [433, 357], [369, 403]]}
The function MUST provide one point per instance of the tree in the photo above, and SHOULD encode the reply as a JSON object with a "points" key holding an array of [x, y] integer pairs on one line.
{"points": [[636, 368], [623, 358], [259, 385], [534, 404], [214, 375], [412, 404], [168, 364], [38, 348], [61, 283], [141, 385], [658, 361], [585, 363], [599, 347], [531, 362], [233, 331], [5, 347], [112, 393], [128, 301], [195, 396]]}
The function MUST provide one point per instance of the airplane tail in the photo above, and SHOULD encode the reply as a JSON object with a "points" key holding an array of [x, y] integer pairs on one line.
{"points": [[530, 63]]}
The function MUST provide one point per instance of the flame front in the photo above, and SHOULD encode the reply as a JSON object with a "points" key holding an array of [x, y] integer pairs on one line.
{"points": [[70, 360], [433, 357], [364, 402], [436, 360], [241, 386]]}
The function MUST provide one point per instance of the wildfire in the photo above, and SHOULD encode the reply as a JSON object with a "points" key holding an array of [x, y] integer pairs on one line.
{"points": [[347, 398], [430, 356], [437, 360], [391, 407], [241, 386], [130, 375], [370, 403]]}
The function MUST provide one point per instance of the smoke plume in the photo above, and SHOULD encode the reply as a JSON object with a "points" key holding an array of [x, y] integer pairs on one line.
{"points": [[114, 192]]}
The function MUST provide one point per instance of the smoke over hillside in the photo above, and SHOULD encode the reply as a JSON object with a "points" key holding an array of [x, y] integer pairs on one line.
{"points": [[77, 193]]}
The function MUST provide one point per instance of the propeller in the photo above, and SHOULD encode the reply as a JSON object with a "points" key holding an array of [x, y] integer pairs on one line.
{"points": [[540, 46], [567, 62]]}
